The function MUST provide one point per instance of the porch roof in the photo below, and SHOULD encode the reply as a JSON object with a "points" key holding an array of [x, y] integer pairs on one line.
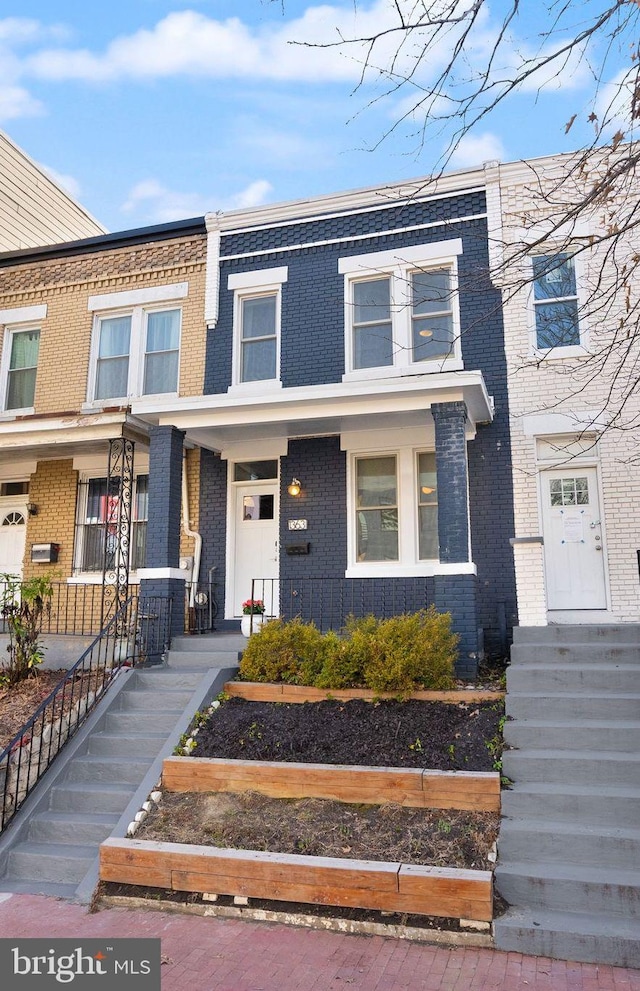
{"points": [[217, 421], [50, 438]]}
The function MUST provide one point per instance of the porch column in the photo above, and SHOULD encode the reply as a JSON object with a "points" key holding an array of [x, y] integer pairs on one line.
{"points": [[162, 583], [451, 472], [455, 589]]}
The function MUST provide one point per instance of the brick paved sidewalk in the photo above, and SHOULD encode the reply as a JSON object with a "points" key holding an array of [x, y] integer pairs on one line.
{"points": [[212, 954]]}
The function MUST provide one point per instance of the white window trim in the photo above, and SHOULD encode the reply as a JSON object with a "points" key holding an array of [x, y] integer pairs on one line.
{"points": [[558, 353], [138, 297], [137, 351], [93, 467], [408, 563], [7, 343], [249, 285], [398, 265]]}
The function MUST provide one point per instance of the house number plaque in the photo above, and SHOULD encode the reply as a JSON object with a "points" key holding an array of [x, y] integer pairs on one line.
{"points": [[297, 524]]}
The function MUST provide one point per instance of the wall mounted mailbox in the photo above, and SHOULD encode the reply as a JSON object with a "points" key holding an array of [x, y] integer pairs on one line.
{"points": [[45, 553], [298, 548]]}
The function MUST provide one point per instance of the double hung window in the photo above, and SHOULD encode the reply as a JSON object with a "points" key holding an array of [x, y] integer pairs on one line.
{"points": [[555, 301], [20, 353], [257, 314], [23, 366], [136, 348], [401, 309], [96, 527], [395, 509]]}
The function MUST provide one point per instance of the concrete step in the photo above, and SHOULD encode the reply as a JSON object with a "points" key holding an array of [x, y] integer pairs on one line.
{"points": [[71, 827], [608, 679], [55, 862], [214, 643], [118, 744], [191, 660], [122, 722], [555, 841], [591, 735], [143, 700], [586, 937], [100, 769], [627, 633], [163, 678], [79, 796], [566, 887], [580, 655], [544, 705], [612, 768], [594, 804]]}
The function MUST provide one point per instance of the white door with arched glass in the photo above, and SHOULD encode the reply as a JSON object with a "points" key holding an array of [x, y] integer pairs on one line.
{"points": [[13, 536], [573, 539]]}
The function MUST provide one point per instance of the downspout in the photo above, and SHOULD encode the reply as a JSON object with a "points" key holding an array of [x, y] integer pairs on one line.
{"points": [[197, 537]]}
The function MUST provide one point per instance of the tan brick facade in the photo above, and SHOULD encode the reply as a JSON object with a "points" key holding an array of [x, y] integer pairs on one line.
{"points": [[65, 285], [53, 490]]}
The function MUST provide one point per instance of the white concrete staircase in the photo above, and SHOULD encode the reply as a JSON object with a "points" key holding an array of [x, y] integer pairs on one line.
{"points": [[569, 845]]}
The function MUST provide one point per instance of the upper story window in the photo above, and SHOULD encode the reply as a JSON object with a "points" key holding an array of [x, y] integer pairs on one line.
{"points": [[555, 302], [401, 310], [20, 353], [257, 308], [23, 366], [136, 352]]}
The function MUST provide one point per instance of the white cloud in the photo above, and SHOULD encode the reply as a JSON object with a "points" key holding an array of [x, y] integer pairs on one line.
{"points": [[614, 101], [189, 43], [474, 149], [158, 204], [16, 102]]}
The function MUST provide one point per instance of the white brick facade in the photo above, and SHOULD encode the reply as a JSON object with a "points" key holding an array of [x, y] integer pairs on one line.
{"points": [[559, 399]]}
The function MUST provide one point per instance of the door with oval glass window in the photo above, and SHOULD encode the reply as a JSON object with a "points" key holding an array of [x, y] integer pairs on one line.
{"points": [[573, 546]]}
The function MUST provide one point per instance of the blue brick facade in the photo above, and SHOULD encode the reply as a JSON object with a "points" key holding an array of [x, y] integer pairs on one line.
{"points": [[162, 599], [313, 353]]}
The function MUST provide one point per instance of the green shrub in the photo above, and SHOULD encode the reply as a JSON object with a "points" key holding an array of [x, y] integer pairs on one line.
{"points": [[416, 650], [292, 652]]}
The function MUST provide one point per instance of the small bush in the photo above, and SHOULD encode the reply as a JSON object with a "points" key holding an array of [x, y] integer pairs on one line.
{"points": [[416, 650], [291, 652]]}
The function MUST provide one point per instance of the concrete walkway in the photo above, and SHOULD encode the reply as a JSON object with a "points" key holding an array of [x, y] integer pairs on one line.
{"points": [[210, 954]]}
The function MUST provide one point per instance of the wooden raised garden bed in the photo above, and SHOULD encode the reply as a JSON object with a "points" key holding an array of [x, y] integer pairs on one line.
{"points": [[413, 787], [389, 887], [257, 691]]}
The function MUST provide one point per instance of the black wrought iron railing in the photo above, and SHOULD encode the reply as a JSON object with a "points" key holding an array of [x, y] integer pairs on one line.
{"points": [[139, 630], [201, 604], [328, 602]]}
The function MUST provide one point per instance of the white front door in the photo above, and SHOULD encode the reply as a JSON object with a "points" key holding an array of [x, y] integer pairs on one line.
{"points": [[13, 536], [573, 549], [256, 544]]}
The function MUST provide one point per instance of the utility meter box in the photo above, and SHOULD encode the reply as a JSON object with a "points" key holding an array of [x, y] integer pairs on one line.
{"points": [[45, 553]]}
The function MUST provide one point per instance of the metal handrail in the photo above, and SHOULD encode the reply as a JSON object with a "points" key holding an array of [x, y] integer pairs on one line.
{"points": [[34, 747]]}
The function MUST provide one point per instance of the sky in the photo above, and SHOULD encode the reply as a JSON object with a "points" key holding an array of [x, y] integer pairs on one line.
{"points": [[150, 111]]}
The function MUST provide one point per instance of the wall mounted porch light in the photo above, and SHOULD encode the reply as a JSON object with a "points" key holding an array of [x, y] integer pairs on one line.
{"points": [[295, 488], [32, 509]]}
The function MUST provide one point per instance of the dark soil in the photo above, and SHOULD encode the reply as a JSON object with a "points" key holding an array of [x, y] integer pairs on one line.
{"points": [[321, 828], [435, 735], [19, 702]]}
